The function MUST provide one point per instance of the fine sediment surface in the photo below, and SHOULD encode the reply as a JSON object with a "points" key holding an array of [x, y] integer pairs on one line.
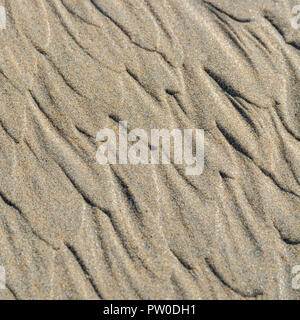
{"points": [[71, 228]]}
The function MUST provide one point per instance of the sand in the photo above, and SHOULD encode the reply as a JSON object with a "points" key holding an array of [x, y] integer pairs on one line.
{"points": [[71, 228]]}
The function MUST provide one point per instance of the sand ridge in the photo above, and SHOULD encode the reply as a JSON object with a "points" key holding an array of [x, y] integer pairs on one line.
{"points": [[73, 229]]}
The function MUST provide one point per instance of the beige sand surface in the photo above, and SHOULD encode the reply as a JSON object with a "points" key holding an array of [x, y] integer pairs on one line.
{"points": [[73, 229]]}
